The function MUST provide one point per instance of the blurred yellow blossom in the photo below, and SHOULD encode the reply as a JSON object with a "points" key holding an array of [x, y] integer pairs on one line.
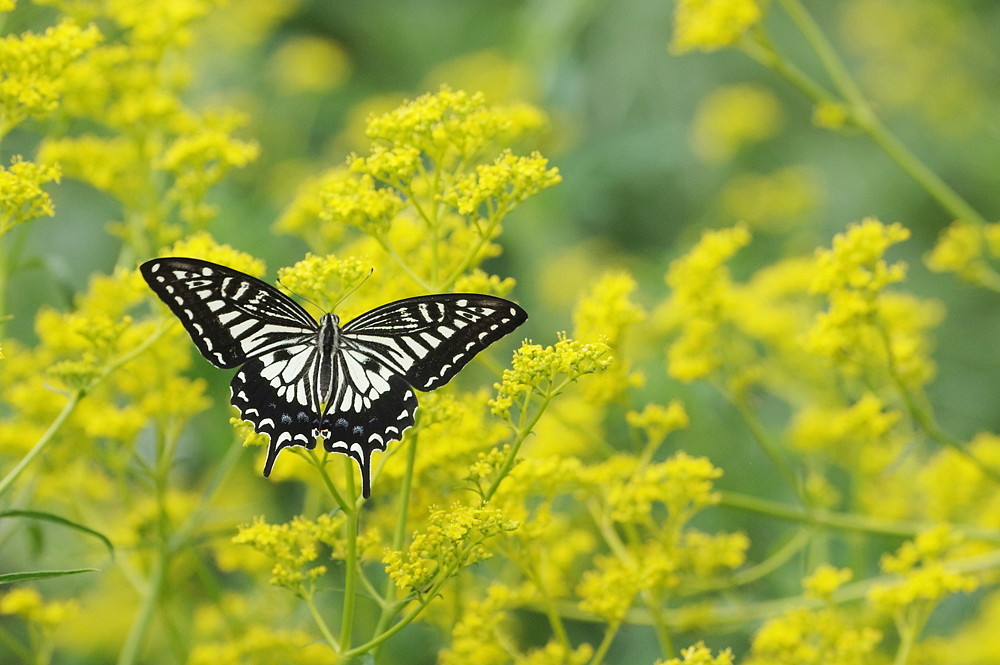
{"points": [[776, 201], [825, 580], [709, 25], [682, 483], [28, 604], [309, 64], [731, 117], [823, 637], [657, 421]]}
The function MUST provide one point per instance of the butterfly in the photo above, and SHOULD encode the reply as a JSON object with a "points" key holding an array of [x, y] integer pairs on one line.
{"points": [[299, 379]]}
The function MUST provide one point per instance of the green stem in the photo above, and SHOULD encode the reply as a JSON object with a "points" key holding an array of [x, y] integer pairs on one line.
{"points": [[42, 443], [602, 648], [350, 561], [846, 521], [865, 118], [522, 434], [328, 482], [399, 535], [154, 589], [320, 623], [769, 447]]}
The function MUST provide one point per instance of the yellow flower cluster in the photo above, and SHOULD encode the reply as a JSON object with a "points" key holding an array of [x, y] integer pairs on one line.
{"points": [[201, 156], [825, 580], [451, 125], [21, 195], [702, 295], [293, 546], [477, 636], [776, 201], [605, 314], [657, 421], [925, 577], [682, 483], [859, 436], [356, 201], [966, 250], [824, 637], [699, 654], [430, 193], [453, 539], [865, 326], [497, 188], [323, 280], [32, 69], [709, 25], [542, 371]]}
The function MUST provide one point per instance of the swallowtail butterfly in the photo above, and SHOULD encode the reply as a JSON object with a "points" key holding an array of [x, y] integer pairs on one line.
{"points": [[299, 379]]}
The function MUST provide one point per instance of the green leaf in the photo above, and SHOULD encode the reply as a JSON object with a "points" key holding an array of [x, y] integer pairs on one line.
{"points": [[10, 578], [62, 521]]}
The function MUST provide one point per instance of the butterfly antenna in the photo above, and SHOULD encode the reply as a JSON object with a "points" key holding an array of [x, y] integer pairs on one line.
{"points": [[353, 289], [298, 295]]}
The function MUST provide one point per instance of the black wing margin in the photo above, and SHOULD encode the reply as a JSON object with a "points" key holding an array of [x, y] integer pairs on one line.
{"points": [[428, 339], [230, 316]]}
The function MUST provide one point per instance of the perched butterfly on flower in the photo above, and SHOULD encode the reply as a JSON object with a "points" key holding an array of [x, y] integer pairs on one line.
{"points": [[299, 379]]}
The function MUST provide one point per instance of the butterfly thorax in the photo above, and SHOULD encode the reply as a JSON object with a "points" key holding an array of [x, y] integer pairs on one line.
{"points": [[328, 338]]}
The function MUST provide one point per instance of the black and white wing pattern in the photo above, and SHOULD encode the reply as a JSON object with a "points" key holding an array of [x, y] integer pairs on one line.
{"points": [[301, 379], [235, 319]]}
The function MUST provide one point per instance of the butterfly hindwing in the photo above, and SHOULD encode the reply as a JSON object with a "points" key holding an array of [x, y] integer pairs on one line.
{"points": [[428, 339], [373, 405], [283, 411], [231, 316]]}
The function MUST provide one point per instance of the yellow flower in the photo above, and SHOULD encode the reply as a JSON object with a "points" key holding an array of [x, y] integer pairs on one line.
{"points": [[961, 249], [701, 302], [682, 483], [28, 604], [537, 371], [825, 580], [453, 539], [658, 421], [294, 546], [32, 67], [21, 195], [324, 280], [731, 117], [709, 25], [202, 155], [496, 189], [201, 245], [699, 654], [925, 579], [824, 637]]}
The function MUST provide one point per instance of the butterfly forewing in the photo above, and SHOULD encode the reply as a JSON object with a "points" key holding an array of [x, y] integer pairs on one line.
{"points": [[300, 380], [231, 316], [428, 339]]}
